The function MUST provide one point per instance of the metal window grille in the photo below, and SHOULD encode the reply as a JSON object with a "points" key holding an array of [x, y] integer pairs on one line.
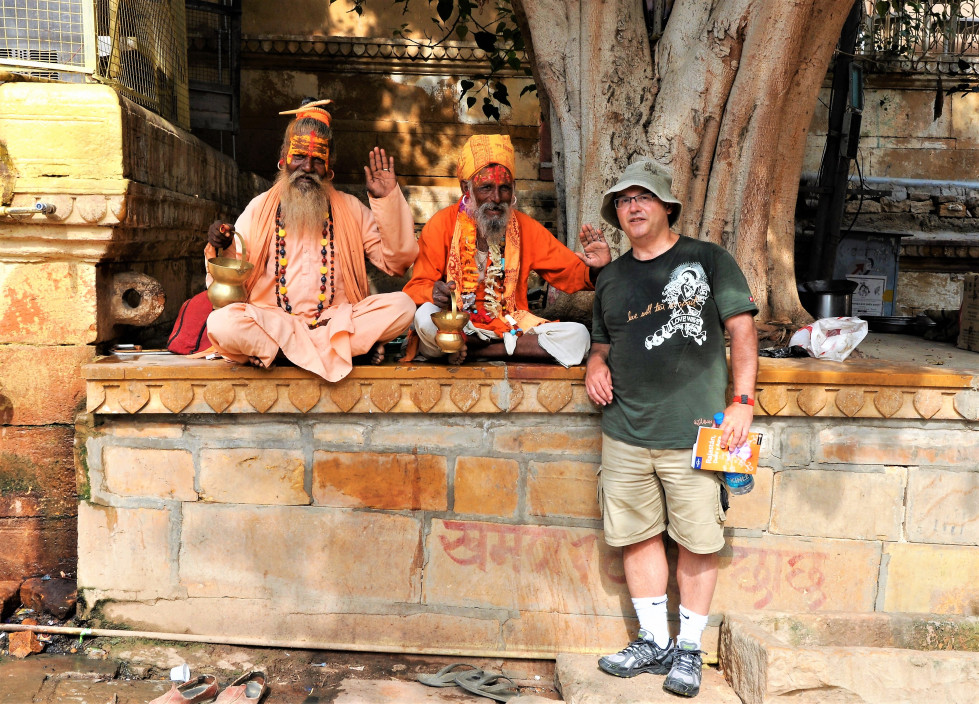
{"points": [[213, 41], [47, 38], [137, 46], [922, 29]]}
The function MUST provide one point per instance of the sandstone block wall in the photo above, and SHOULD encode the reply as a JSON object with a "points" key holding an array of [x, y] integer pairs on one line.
{"points": [[480, 533]]}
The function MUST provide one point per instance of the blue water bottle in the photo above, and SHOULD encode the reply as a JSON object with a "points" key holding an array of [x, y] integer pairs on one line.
{"points": [[737, 483]]}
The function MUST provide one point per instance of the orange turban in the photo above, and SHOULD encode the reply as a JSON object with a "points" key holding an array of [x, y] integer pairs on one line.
{"points": [[481, 150]]}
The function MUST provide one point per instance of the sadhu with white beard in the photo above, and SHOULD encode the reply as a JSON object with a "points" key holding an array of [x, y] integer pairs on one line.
{"points": [[482, 250], [308, 294]]}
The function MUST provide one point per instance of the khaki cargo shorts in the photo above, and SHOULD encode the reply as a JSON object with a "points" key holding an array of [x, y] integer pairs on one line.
{"points": [[643, 492]]}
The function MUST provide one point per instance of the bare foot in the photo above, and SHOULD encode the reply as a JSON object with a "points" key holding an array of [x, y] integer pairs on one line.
{"points": [[457, 358], [377, 354]]}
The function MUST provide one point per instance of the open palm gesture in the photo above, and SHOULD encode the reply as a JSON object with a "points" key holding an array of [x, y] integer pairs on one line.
{"points": [[596, 252], [380, 173]]}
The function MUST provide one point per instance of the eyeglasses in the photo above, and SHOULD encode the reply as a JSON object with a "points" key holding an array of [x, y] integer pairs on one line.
{"points": [[623, 202]]}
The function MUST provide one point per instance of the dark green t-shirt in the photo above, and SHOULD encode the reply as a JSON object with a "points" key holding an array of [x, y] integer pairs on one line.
{"points": [[664, 319]]}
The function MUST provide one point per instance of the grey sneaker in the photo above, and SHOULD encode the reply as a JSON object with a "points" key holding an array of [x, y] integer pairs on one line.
{"points": [[639, 656], [684, 677]]}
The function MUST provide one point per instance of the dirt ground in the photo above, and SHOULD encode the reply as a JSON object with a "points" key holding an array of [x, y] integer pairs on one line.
{"points": [[133, 671]]}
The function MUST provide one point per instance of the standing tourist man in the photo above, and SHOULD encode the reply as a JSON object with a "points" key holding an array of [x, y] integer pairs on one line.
{"points": [[482, 250], [657, 366], [308, 294]]}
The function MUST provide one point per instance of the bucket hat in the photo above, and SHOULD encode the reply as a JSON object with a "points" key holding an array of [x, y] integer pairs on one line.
{"points": [[648, 174]]}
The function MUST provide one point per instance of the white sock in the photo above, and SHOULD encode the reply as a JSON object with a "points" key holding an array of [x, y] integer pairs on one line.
{"points": [[691, 626], [652, 618]]}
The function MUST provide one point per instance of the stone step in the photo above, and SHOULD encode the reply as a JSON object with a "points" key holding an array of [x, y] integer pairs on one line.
{"points": [[581, 682]]}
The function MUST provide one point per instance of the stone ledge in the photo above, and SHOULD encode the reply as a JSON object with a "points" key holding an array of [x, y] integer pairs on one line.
{"points": [[164, 384]]}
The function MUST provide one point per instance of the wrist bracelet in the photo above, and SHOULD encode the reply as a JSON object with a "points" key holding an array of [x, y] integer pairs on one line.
{"points": [[745, 399]]}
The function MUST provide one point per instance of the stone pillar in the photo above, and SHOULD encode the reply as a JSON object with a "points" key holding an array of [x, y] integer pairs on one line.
{"points": [[133, 197]]}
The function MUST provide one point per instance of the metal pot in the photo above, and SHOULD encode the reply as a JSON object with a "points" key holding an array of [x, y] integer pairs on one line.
{"points": [[827, 298]]}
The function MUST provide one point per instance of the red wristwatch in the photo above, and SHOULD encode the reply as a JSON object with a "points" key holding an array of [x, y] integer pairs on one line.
{"points": [[745, 399]]}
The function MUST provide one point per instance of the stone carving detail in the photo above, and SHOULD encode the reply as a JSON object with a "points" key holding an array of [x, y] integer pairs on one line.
{"points": [[91, 208], [134, 396], [850, 401], [343, 49], [554, 395], [304, 394], [176, 395], [345, 394], [386, 394], [812, 400], [888, 402], [425, 394], [262, 395], [464, 394], [96, 397], [773, 399], [219, 395], [506, 395], [157, 390], [966, 403], [927, 402], [117, 204]]}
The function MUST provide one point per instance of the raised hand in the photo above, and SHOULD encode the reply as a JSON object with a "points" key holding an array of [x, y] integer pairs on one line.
{"points": [[380, 173], [596, 252]]}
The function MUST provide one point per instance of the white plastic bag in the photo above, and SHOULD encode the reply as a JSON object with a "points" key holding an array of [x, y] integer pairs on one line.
{"points": [[830, 338]]}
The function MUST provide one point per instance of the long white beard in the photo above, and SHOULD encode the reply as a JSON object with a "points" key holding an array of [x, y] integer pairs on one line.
{"points": [[493, 228], [303, 210]]}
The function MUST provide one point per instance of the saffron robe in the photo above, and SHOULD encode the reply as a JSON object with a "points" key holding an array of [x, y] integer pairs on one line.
{"points": [[540, 251], [354, 323]]}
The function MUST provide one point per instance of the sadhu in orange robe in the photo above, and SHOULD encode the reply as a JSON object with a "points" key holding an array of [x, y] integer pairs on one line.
{"points": [[538, 250], [355, 322]]}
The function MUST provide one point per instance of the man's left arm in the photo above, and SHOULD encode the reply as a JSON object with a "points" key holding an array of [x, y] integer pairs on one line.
{"points": [[744, 373], [389, 236], [558, 265]]}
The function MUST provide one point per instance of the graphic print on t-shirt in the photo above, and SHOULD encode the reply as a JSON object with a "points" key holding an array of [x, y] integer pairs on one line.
{"points": [[685, 296]]}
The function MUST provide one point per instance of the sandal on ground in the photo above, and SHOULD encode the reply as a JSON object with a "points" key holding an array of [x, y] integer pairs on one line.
{"points": [[489, 685], [250, 688], [197, 690], [446, 677]]}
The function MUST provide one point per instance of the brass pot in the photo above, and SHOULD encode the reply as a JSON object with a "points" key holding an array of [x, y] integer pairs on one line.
{"points": [[449, 342], [229, 276], [450, 324]]}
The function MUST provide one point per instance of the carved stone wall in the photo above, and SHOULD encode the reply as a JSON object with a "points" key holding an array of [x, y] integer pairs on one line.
{"points": [[414, 500]]}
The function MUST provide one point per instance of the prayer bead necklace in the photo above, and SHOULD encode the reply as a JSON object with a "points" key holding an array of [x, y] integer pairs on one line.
{"points": [[326, 267]]}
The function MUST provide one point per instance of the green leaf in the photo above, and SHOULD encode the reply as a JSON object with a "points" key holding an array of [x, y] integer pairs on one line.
{"points": [[444, 9], [461, 31], [485, 41]]}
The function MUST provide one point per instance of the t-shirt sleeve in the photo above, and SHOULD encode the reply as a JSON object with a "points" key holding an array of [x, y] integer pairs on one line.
{"points": [[730, 288], [599, 333]]}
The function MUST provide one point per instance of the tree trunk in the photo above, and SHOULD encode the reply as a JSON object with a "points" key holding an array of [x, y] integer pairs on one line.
{"points": [[726, 102]]}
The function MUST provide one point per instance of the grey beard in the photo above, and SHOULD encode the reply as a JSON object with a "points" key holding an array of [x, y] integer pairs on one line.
{"points": [[303, 211], [493, 228]]}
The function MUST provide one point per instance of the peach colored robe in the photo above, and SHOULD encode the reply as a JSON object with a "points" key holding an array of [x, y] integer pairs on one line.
{"points": [[259, 328]]}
